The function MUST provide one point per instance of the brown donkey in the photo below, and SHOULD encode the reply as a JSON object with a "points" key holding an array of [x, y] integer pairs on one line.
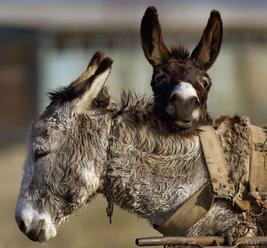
{"points": [[83, 145], [180, 82]]}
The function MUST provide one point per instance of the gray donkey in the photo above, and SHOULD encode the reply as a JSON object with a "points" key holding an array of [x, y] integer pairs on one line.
{"points": [[83, 145]]}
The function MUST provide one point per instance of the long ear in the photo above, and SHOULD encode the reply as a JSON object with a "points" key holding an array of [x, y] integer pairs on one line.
{"points": [[91, 68], [88, 89], [209, 46], [152, 42]]}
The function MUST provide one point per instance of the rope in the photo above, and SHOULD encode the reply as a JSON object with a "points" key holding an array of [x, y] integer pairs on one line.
{"points": [[108, 187]]}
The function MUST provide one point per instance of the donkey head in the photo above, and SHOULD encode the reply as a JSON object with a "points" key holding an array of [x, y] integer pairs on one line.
{"points": [[66, 149], [180, 82]]}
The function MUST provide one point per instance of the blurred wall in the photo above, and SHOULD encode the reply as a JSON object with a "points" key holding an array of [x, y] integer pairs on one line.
{"points": [[45, 46], [18, 80], [239, 75]]}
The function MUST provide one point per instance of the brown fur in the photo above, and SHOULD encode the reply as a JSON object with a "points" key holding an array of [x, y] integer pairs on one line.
{"points": [[235, 139], [172, 67]]}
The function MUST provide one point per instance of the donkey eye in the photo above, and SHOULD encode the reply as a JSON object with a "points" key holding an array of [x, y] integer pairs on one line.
{"points": [[158, 78], [39, 154], [205, 83]]}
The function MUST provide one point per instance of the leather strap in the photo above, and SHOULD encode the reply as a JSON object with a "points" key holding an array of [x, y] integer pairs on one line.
{"points": [[216, 163], [219, 170], [195, 208], [258, 165]]}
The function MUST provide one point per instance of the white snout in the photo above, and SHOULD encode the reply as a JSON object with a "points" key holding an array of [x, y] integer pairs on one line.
{"points": [[38, 226], [183, 106], [184, 90]]}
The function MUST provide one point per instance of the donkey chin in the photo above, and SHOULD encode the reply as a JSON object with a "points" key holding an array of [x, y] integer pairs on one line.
{"points": [[185, 124], [36, 225]]}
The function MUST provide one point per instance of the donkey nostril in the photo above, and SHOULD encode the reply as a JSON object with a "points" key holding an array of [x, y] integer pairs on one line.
{"points": [[34, 234], [173, 98], [194, 101], [21, 225]]}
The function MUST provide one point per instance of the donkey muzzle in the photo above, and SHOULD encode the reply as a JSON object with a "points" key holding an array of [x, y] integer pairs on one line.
{"points": [[183, 104], [36, 226], [34, 234]]}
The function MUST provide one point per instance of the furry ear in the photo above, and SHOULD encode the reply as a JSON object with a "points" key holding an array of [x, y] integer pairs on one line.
{"points": [[152, 41], [91, 68], [88, 89], [209, 46], [87, 86]]}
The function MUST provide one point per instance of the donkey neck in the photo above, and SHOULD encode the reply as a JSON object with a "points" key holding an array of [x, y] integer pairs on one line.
{"points": [[151, 170]]}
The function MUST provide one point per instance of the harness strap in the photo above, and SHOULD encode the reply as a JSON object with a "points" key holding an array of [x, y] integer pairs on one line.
{"points": [[218, 169], [199, 204], [216, 163], [258, 165], [195, 208]]}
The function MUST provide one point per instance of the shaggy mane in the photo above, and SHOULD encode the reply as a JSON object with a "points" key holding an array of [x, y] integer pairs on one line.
{"points": [[61, 95], [131, 101], [179, 52]]}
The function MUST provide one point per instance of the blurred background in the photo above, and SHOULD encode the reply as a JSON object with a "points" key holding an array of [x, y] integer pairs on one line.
{"points": [[47, 44]]}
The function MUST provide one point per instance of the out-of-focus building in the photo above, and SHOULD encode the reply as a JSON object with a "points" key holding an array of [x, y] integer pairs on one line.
{"points": [[46, 44]]}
